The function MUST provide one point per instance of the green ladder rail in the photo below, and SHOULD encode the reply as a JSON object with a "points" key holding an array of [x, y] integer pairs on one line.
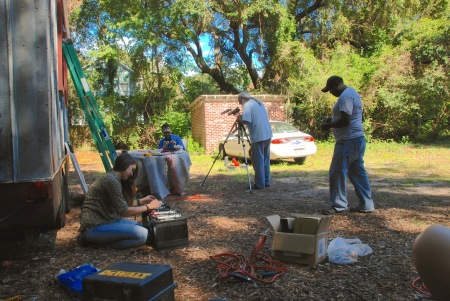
{"points": [[97, 127]]}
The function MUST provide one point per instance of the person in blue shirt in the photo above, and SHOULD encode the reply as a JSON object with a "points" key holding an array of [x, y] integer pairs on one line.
{"points": [[255, 116], [170, 141]]}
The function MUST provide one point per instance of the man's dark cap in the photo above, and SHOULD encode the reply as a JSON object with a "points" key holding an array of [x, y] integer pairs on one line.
{"points": [[331, 81]]}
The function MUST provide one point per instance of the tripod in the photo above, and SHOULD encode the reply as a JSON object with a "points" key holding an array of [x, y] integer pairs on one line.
{"points": [[240, 129]]}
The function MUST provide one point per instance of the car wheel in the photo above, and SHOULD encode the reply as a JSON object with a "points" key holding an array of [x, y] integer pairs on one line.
{"points": [[300, 160], [222, 152]]}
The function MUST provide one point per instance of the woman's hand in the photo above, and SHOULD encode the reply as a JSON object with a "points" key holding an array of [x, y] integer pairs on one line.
{"points": [[147, 199], [144, 205], [154, 204]]}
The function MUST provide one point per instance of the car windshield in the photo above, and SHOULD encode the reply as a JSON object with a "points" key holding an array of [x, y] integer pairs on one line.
{"points": [[282, 127]]}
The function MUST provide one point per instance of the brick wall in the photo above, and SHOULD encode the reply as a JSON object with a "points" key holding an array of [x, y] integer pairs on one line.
{"points": [[209, 126]]}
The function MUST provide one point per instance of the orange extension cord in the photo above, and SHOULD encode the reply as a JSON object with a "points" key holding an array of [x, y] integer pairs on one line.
{"points": [[421, 288], [259, 266]]}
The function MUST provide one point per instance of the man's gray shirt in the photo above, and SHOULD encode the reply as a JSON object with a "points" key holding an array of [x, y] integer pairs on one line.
{"points": [[350, 103]]}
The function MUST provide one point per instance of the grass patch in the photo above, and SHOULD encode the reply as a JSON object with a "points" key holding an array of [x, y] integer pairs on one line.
{"points": [[408, 163]]}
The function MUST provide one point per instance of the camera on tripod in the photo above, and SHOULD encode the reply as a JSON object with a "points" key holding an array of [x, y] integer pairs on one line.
{"points": [[231, 111], [241, 136]]}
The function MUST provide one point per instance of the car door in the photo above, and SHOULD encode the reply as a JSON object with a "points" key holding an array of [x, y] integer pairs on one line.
{"points": [[234, 147]]}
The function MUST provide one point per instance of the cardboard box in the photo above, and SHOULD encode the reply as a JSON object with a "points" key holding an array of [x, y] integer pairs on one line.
{"points": [[304, 248], [306, 225], [287, 224]]}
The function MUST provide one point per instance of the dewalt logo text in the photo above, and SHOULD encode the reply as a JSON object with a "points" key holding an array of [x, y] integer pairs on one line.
{"points": [[124, 274]]}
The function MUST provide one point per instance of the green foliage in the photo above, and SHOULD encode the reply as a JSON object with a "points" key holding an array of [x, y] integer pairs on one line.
{"points": [[394, 53], [387, 96], [122, 120], [431, 95], [194, 147], [179, 123], [405, 140], [410, 86], [430, 40], [196, 85], [309, 105], [305, 106]]}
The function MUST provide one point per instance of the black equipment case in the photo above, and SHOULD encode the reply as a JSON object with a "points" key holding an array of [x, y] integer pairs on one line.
{"points": [[166, 234], [127, 281]]}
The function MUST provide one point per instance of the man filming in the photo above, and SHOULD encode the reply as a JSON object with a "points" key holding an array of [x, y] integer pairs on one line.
{"points": [[170, 141], [255, 115]]}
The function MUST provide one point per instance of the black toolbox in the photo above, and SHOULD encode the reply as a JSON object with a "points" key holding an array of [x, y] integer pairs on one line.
{"points": [[166, 234], [128, 281]]}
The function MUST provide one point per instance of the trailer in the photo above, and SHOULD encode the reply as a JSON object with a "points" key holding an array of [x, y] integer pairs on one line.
{"points": [[34, 162]]}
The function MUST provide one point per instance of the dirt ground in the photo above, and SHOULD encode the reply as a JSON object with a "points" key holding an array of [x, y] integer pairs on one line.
{"points": [[224, 218]]}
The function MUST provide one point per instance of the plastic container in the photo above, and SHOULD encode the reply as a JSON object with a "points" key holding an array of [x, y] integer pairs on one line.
{"points": [[72, 280]]}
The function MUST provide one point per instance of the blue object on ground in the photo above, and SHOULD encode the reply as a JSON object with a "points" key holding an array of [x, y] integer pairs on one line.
{"points": [[72, 280]]}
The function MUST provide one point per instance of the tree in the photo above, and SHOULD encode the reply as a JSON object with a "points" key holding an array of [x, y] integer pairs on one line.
{"points": [[395, 53], [244, 36]]}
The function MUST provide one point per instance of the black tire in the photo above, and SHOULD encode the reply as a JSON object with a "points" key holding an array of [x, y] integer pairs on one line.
{"points": [[300, 161], [222, 152]]}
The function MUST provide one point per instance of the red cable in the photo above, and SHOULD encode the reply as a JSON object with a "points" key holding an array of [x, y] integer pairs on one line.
{"points": [[258, 265], [423, 290]]}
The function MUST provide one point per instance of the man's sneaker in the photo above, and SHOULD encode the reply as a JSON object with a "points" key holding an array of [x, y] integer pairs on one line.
{"points": [[332, 211], [356, 209], [254, 187]]}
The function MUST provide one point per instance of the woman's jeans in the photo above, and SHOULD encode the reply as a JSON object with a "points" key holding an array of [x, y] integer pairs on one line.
{"points": [[121, 234], [348, 162]]}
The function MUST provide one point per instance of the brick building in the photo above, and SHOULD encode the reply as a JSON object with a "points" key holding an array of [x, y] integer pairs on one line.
{"points": [[209, 125]]}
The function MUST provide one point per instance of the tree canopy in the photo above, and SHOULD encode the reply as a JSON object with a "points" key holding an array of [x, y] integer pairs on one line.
{"points": [[395, 53]]}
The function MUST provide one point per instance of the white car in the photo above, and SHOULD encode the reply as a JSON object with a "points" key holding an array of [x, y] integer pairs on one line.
{"points": [[287, 143]]}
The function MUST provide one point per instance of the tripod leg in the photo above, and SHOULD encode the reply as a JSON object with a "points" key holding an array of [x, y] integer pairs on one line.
{"points": [[203, 183], [246, 166], [232, 130], [242, 132]]}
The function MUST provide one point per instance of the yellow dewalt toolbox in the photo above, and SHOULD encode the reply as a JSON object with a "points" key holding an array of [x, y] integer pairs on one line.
{"points": [[128, 281]]}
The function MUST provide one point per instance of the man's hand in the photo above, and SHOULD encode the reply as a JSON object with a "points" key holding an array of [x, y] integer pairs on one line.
{"points": [[167, 143], [326, 124]]}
